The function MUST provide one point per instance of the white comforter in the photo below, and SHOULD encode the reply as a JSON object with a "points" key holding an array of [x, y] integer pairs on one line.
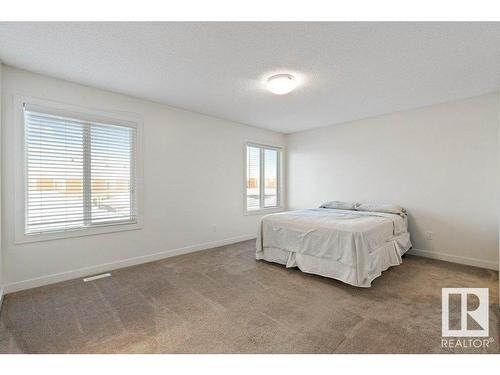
{"points": [[344, 236]]}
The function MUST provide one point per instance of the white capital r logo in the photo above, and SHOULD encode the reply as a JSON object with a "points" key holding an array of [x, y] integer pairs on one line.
{"points": [[479, 315]]}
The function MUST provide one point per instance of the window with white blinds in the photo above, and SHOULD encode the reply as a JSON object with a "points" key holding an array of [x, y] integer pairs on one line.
{"points": [[262, 177], [78, 173]]}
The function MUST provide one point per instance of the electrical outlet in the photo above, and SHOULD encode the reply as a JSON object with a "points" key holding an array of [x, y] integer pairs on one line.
{"points": [[214, 228], [429, 235]]}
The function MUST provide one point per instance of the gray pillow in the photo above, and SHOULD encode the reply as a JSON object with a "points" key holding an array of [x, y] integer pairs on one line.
{"points": [[386, 208], [339, 205]]}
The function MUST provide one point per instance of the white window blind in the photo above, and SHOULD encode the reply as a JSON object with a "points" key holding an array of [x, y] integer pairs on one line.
{"points": [[270, 178], [253, 178], [263, 177], [78, 173]]}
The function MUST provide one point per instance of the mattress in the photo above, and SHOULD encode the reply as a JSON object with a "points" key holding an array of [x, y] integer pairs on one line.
{"points": [[351, 246]]}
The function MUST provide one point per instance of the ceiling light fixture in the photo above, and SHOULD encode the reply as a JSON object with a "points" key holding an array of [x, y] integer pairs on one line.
{"points": [[281, 84]]}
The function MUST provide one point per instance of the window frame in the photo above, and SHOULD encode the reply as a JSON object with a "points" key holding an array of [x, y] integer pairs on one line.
{"points": [[280, 190], [55, 108]]}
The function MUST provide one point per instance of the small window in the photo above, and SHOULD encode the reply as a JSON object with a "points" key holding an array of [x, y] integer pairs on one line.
{"points": [[263, 180], [79, 174]]}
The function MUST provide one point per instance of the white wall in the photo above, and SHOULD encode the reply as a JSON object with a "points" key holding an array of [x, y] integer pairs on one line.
{"points": [[1, 256], [193, 178], [440, 162]]}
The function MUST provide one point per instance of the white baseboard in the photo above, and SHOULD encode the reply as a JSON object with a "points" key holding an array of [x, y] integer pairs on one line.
{"points": [[455, 259], [83, 272]]}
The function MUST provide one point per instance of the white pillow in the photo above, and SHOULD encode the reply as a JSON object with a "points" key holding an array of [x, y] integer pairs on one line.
{"points": [[339, 205], [387, 208]]}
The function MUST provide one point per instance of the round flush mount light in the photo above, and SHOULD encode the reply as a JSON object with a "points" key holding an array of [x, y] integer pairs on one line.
{"points": [[281, 84]]}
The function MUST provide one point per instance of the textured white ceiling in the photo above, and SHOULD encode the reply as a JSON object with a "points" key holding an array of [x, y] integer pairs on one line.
{"points": [[347, 71]]}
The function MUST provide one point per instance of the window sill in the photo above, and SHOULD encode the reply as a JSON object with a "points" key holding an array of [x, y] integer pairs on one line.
{"points": [[264, 211], [103, 229]]}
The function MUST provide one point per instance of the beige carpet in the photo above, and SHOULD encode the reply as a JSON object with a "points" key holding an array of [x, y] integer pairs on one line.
{"points": [[223, 301]]}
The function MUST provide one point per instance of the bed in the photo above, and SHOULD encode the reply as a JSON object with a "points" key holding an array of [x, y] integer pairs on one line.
{"points": [[351, 245]]}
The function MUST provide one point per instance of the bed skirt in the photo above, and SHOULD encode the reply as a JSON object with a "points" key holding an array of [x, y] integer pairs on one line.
{"points": [[379, 259]]}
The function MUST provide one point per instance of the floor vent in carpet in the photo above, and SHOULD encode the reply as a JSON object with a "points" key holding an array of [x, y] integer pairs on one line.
{"points": [[96, 277]]}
